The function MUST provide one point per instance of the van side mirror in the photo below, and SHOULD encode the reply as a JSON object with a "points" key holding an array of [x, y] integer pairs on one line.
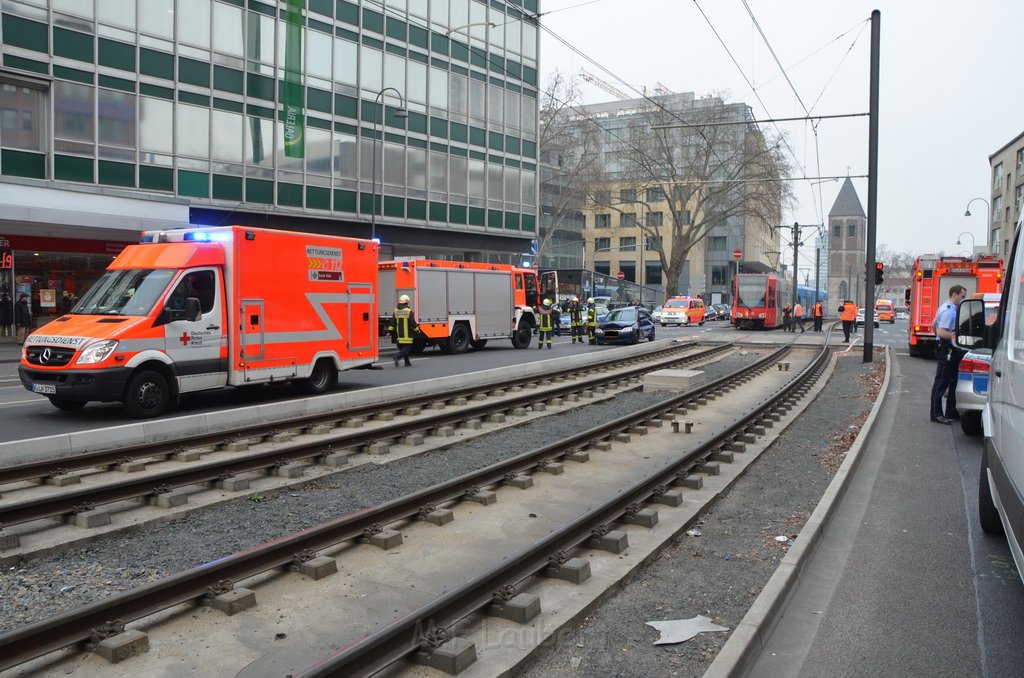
{"points": [[193, 309], [970, 325]]}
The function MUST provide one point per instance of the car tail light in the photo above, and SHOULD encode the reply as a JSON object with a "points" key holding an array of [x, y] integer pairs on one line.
{"points": [[972, 366]]}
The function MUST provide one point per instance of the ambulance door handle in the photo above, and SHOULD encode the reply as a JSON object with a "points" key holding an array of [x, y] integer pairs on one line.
{"points": [[213, 327]]}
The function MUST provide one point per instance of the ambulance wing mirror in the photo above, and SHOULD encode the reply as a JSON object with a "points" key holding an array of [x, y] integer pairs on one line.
{"points": [[971, 332], [193, 309]]}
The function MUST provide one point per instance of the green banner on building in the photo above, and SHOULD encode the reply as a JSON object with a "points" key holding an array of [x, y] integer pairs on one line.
{"points": [[294, 118]]}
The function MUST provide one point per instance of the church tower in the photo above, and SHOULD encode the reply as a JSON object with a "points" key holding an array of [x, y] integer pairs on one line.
{"points": [[847, 231]]}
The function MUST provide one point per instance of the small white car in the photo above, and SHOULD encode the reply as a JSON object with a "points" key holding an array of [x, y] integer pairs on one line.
{"points": [[860, 318]]}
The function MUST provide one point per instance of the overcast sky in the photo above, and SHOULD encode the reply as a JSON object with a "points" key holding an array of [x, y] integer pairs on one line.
{"points": [[949, 96]]}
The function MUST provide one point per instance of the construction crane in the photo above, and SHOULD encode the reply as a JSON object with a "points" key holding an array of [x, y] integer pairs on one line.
{"points": [[662, 90], [606, 86]]}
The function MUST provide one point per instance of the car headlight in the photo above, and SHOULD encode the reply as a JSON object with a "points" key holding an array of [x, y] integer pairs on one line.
{"points": [[628, 330], [97, 353], [598, 331]]}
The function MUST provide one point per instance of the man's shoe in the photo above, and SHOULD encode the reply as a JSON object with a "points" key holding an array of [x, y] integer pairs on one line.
{"points": [[941, 420]]}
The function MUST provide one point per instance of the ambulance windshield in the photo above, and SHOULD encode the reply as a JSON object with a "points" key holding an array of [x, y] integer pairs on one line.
{"points": [[125, 292]]}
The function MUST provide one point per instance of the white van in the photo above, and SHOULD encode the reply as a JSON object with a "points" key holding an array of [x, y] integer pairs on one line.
{"points": [[1001, 484]]}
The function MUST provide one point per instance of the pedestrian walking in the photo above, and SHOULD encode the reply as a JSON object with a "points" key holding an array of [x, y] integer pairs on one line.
{"points": [[948, 358], [819, 315], [549, 315], [848, 315], [787, 318], [402, 328], [6, 314], [798, 317], [576, 320], [591, 321], [22, 317]]}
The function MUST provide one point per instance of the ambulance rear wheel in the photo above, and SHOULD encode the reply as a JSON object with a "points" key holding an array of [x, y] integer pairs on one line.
{"points": [[148, 394], [67, 405], [458, 342], [321, 379]]}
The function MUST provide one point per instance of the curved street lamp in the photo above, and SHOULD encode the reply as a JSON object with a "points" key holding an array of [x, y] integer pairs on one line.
{"points": [[967, 212], [973, 245], [401, 113]]}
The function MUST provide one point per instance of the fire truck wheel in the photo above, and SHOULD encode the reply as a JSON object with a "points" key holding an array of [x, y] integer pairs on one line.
{"points": [[147, 395], [477, 344], [67, 405], [321, 379], [522, 336], [458, 342]]}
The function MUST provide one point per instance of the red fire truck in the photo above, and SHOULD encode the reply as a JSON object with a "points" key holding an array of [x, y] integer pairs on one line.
{"points": [[929, 286]]}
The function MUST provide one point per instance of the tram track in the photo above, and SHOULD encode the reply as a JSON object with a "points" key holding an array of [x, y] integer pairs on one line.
{"points": [[283, 448], [288, 552]]}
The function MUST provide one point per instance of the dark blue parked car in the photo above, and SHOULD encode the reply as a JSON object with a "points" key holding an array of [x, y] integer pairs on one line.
{"points": [[629, 324]]}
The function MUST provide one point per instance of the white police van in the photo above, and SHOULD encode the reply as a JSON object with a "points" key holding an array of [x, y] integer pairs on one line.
{"points": [[1001, 484]]}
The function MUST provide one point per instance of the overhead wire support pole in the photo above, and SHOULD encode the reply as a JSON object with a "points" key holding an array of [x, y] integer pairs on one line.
{"points": [[869, 272]]}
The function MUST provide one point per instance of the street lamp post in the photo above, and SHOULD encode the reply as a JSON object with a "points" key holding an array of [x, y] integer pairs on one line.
{"points": [[401, 114], [988, 224], [973, 245]]}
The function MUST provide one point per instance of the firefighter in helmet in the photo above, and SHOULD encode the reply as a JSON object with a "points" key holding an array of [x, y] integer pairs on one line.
{"points": [[576, 319], [402, 328], [591, 321], [549, 317]]}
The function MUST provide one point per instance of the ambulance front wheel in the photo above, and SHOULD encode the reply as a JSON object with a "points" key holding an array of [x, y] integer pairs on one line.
{"points": [[148, 394], [67, 405]]}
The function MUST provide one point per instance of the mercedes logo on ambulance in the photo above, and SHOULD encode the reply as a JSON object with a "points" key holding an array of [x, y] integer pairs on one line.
{"points": [[44, 356]]}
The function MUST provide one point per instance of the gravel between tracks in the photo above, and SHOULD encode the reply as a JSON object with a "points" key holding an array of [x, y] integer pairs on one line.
{"points": [[721, 572]]}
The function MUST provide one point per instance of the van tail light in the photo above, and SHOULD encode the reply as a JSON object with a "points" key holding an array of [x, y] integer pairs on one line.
{"points": [[972, 366]]}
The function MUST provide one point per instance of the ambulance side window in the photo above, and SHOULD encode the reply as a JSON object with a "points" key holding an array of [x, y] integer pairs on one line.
{"points": [[198, 284]]}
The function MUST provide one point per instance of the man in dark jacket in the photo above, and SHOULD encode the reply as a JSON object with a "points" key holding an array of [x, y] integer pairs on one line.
{"points": [[22, 317], [549, 317], [402, 328]]}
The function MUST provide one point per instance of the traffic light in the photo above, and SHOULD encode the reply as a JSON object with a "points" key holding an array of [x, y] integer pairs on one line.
{"points": [[879, 270]]}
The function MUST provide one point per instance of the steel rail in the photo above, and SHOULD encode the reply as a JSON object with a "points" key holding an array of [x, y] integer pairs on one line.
{"points": [[58, 466], [405, 636], [202, 582], [80, 500]]}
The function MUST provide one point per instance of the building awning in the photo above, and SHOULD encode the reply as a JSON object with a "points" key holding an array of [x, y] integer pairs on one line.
{"points": [[86, 212]]}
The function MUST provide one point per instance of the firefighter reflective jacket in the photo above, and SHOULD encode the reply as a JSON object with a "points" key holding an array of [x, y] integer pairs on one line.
{"points": [[403, 324], [592, 316], [548, 318]]}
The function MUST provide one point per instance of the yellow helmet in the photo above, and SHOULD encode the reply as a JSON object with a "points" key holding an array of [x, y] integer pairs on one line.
{"points": [[547, 302], [590, 300], [404, 299]]}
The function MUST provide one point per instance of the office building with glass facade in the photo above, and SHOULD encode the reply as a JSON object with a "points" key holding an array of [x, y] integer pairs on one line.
{"points": [[118, 116]]}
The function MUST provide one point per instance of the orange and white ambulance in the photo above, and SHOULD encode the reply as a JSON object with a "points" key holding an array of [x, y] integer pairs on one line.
{"points": [[195, 309]]}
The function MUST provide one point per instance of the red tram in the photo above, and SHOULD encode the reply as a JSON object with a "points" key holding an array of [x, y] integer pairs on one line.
{"points": [[758, 300]]}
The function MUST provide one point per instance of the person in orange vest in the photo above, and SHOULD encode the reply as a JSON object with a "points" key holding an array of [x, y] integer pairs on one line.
{"points": [[798, 317], [848, 314], [818, 312]]}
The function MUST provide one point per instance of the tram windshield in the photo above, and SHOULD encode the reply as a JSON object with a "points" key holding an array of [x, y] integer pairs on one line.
{"points": [[752, 293]]}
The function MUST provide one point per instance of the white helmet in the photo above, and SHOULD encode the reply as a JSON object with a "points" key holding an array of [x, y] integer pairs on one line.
{"points": [[590, 300], [404, 299], [547, 302]]}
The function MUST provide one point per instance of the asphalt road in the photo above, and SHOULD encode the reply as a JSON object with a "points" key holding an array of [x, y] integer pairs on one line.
{"points": [[26, 415]]}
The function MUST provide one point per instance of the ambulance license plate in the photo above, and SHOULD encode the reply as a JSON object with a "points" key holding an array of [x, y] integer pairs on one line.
{"points": [[48, 389]]}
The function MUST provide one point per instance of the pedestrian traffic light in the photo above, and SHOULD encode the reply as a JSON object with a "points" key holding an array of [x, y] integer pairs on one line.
{"points": [[879, 270]]}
